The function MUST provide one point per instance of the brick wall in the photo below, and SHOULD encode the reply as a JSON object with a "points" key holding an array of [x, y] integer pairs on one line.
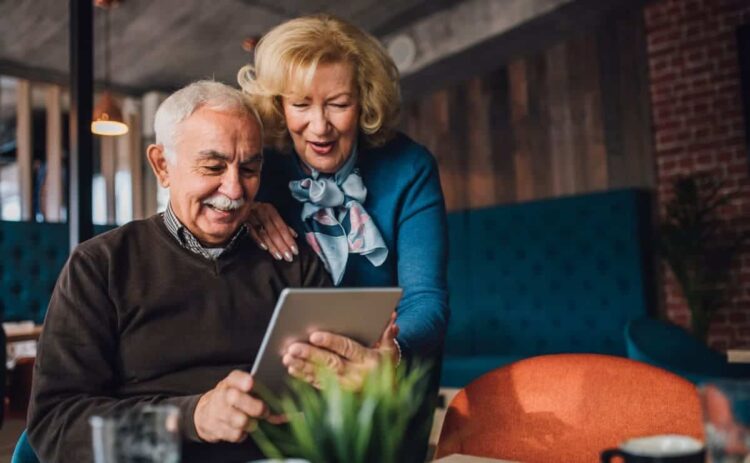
{"points": [[698, 124]]}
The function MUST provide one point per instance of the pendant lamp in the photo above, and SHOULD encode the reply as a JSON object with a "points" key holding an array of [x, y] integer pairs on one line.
{"points": [[107, 115]]}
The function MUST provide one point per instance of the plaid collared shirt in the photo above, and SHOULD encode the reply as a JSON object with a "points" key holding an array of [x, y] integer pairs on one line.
{"points": [[190, 242]]}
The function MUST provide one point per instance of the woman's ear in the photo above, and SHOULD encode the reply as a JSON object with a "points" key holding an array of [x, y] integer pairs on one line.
{"points": [[159, 164]]}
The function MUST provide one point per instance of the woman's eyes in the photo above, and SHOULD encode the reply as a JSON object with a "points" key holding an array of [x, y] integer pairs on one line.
{"points": [[336, 105]]}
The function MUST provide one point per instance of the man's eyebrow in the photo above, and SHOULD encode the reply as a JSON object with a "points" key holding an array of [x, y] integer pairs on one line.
{"points": [[213, 154]]}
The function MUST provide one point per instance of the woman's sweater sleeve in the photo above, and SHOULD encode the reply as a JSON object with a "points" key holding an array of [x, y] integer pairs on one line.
{"points": [[422, 249]]}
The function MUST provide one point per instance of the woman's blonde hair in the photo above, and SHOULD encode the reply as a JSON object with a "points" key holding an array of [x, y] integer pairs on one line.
{"points": [[286, 59]]}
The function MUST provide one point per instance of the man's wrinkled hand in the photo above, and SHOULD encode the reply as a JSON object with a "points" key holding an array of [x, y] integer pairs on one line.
{"points": [[228, 412]]}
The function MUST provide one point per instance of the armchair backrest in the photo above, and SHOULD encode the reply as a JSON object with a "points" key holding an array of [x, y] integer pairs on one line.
{"points": [[567, 407]]}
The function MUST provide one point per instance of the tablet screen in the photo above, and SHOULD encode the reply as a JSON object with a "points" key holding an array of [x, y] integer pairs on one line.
{"points": [[358, 313]]}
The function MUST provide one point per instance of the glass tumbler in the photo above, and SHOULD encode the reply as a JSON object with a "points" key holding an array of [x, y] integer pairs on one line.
{"points": [[145, 434]]}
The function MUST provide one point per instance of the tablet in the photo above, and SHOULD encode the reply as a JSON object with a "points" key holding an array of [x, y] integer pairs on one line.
{"points": [[358, 313]]}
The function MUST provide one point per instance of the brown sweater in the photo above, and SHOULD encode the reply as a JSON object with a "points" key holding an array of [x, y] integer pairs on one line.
{"points": [[136, 318]]}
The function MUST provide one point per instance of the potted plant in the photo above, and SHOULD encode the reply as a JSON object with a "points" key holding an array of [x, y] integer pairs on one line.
{"points": [[699, 244], [339, 425]]}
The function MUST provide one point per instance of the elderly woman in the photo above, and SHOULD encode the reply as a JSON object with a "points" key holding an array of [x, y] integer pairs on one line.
{"points": [[366, 198]]}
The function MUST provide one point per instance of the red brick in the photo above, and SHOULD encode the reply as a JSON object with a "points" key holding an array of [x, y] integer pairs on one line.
{"points": [[716, 343], [699, 123], [682, 319], [719, 330], [738, 169], [705, 159]]}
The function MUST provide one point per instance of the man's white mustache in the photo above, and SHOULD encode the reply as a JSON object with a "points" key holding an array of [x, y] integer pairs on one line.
{"points": [[219, 201]]}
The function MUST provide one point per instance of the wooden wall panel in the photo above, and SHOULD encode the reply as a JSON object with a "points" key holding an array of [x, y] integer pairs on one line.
{"points": [[481, 170], [53, 182], [562, 144], [570, 119], [25, 148], [501, 135], [539, 123], [519, 109]]}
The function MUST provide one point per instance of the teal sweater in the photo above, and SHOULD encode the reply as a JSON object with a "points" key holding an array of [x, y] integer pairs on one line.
{"points": [[405, 201]]}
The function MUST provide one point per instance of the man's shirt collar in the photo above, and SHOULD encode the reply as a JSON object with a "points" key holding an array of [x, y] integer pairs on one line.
{"points": [[190, 242]]}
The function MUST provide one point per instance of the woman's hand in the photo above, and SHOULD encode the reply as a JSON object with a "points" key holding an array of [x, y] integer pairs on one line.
{"points": [[271, 233], [346, 358]]}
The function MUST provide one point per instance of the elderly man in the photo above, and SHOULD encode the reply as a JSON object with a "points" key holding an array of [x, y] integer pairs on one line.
{"points": [[171, 309]]}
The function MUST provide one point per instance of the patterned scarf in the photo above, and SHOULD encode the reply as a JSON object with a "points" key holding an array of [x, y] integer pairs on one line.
{"points": [[335, 220]]}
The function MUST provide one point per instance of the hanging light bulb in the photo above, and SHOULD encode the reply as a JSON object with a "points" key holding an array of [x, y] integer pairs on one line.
{"points": [[108, 120], [108, 117]]}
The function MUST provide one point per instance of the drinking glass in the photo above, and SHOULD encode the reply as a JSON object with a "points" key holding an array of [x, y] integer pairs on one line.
{"points": [[146, 434], [726, 419]]}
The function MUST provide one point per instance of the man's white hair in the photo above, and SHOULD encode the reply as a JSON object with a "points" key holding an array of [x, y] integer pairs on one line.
{"points": [[184, 102]]}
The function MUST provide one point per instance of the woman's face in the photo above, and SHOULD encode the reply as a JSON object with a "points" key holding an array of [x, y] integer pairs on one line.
{"points": [[323, 122]]}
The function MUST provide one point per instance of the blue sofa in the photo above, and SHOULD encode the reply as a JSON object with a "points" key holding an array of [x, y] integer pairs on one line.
{"points": [[548, 276], [672, 348], [32, 256]]}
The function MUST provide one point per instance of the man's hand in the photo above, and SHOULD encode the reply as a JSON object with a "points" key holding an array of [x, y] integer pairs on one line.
{"points": [[346, 358], [228, 412]]}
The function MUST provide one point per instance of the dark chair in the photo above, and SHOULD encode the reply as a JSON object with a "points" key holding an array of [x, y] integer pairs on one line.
{"points": [[670, 347]]}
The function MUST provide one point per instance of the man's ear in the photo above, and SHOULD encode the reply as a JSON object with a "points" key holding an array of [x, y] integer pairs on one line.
{"points": [[159, 164]]}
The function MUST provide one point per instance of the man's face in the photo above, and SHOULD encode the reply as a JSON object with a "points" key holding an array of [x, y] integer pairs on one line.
{"points": [[215, 173]]}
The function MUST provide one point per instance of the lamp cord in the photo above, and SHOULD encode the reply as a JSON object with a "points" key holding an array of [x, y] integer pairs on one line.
{"points": [[106, 49]]}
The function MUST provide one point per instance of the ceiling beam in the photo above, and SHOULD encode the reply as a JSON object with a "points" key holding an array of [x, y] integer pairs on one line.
{"points": [[478, 36], [412, 15], [467, 24], [51, 76]]}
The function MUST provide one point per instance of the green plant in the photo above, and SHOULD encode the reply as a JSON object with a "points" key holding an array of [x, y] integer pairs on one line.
{"points": [[699, 245], [338, 425]]}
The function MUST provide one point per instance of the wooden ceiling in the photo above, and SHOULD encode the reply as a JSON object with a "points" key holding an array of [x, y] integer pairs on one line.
{"points": [[163, 44]]}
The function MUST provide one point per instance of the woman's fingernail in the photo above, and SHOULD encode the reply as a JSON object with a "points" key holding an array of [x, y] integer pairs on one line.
{"points": [[277, 255], [295, 250], [288, 256], [263, 247]]}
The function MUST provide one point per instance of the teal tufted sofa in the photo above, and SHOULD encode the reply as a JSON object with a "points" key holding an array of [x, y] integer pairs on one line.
{"points": [[549, 276], [32, 256]]}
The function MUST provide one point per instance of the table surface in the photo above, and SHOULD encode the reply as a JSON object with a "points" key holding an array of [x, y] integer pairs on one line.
{"points": [[16, 332], [456, 458], [739, 355]]}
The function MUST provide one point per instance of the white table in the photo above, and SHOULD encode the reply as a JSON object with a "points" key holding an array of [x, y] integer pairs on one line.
{"points": [[738, 355]]}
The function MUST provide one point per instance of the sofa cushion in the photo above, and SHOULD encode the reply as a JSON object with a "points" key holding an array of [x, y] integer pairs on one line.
{"points": [[33, 255]]}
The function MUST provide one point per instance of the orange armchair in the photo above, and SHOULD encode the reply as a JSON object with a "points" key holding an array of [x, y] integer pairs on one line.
{"points": [[567, 407]]}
